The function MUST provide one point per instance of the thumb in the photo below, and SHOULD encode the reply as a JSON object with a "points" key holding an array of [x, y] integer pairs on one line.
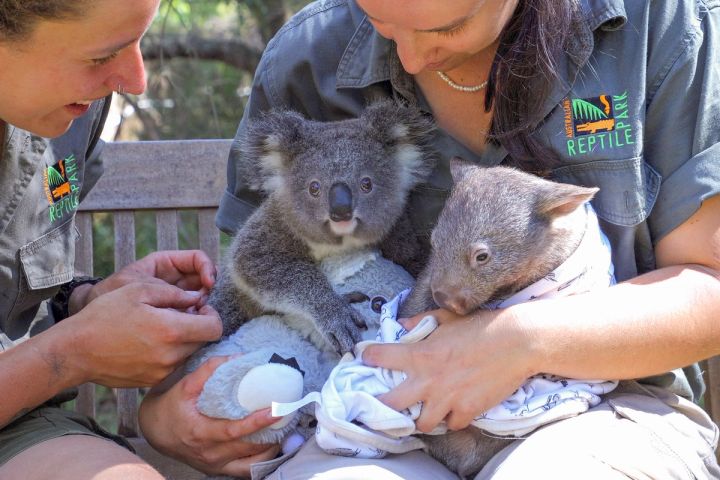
{"points": [[167, 296], [195, 381]]}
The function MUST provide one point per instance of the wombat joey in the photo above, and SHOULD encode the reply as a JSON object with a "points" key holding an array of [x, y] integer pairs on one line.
{"points": [[500, 231]]}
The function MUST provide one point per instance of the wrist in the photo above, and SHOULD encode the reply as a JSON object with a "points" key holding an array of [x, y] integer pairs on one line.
{"points": [[530, 342], [59, 351], [79, 298], [60, 303]]}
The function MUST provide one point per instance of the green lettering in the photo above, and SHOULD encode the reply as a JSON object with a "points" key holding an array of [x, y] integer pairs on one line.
{"points": [[591, 142], [621, 125], [571, 148], [581, 145], [620, 98], [628, 137], [601, 137]]}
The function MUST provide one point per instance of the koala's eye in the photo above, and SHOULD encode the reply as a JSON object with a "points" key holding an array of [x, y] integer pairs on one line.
{"points": [[376, 304], [482, 258], [314, 188], [366, 185]]}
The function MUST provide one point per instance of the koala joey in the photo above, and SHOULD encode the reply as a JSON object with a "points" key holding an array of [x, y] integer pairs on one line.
{"points": [[331, 187]]}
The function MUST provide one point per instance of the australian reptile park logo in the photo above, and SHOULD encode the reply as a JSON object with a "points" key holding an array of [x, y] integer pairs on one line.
{"points": [[597, 123]]}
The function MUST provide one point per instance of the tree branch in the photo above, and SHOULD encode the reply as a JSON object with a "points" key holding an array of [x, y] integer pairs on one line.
{"points": [[232, 51]]}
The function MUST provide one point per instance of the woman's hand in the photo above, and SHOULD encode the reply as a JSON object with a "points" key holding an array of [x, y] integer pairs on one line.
{"points": [[186, 269], [135, 335], [173, 425], [465, 367]]}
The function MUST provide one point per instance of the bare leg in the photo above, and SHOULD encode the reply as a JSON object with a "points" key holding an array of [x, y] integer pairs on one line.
{"points": [[78, 457]]}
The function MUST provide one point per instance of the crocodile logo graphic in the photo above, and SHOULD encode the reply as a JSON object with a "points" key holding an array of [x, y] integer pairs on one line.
{"points": [[592, 115], [597, 123]]}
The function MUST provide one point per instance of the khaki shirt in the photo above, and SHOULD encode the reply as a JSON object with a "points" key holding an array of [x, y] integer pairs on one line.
{"points": [[636, 113], [41, 183]]}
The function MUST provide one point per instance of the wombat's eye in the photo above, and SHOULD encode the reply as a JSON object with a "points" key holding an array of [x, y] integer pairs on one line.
{"points": [[314, 188], [366, 185], [376, 304], [479, 254]]}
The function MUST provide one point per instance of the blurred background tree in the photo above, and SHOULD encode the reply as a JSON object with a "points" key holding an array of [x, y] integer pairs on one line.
{"points": [[200, 56]]}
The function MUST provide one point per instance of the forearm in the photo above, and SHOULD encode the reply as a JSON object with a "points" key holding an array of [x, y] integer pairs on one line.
{"points": [[34, 371], [652, 324]]}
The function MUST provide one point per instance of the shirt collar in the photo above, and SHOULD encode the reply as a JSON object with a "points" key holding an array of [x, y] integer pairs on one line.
{"points": [[369, 58], [604, 14]]}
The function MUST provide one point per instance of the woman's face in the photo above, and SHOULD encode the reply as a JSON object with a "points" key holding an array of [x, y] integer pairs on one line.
{"points": [[439, 34], [48, 80]]}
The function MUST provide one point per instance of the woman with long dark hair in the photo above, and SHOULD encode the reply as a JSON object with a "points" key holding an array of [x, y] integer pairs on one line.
{"points": [[620, 95]]}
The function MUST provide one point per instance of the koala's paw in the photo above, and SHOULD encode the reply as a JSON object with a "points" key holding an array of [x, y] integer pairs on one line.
{"points": [[343, 330]]}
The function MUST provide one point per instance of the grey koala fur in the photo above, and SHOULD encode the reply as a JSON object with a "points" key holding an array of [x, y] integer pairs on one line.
{"points": [[500, 231], [331, 187]]}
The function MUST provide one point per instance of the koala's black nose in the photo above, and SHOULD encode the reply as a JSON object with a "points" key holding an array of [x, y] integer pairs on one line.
{"points": [[340, 202]]}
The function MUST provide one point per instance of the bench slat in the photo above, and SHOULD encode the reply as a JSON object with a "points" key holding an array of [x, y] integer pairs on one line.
{"points": [[158, 175], [166, 222]]}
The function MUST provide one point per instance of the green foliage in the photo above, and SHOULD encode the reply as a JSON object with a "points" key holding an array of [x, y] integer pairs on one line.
{"points": [[582, 109]]}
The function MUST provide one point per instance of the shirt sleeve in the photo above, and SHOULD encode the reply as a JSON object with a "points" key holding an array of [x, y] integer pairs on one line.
{"points": [[683, 117]]}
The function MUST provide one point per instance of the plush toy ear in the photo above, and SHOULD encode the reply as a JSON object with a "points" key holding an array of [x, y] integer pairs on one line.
{"points": [[557, 199], [459, 167], [405, 132], [268, 147]]}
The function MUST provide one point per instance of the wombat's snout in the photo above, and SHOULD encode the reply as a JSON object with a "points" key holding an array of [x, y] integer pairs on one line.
{"points": [[340, 199], [451, 299]]}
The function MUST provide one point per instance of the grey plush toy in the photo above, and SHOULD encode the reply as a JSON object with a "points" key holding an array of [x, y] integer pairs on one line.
{"points": [[278, 363]]}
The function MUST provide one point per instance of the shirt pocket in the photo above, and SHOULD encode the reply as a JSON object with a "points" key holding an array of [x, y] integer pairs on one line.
{"points": [[628, 187], [47, 263]]}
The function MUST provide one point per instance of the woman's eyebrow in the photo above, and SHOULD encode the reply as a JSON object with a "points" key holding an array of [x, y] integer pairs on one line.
{"points": [[112, 49], [448, 26]]}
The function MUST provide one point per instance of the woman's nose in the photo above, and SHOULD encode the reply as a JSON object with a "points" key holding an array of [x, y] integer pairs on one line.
{"points": [[409, 51], [129, 75]]}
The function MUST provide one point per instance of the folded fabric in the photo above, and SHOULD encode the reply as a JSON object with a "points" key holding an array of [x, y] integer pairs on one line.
{"points": [[353, 422]]}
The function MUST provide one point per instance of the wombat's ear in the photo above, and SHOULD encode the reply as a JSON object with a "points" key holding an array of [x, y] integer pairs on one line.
{"points": [[558, 199], [459, 167], [267, 148], [405, 132]]}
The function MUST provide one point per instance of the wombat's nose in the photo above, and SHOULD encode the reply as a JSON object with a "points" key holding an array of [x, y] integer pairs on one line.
{"points": [[454, 303], [340, 199]]}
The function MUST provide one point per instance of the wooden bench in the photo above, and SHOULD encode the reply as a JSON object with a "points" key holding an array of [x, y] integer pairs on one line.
{"points": [[168, 177]]}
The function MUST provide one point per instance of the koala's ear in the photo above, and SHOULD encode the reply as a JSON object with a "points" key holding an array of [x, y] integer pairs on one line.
{"points": [[405, 133], [459, 167], [393, 123], [268, 147], [557, 199]]}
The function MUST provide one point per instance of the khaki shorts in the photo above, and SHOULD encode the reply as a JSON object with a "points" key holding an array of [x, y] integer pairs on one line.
{"points": [[637, 432], [46, 423]]}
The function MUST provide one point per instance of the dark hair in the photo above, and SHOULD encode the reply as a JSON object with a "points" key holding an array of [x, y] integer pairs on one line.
{"points": [[18, 17], [523, 74]]}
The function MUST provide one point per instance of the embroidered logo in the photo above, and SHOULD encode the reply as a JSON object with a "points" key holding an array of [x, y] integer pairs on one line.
{"points": [[597, 123], [62, 187]]}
